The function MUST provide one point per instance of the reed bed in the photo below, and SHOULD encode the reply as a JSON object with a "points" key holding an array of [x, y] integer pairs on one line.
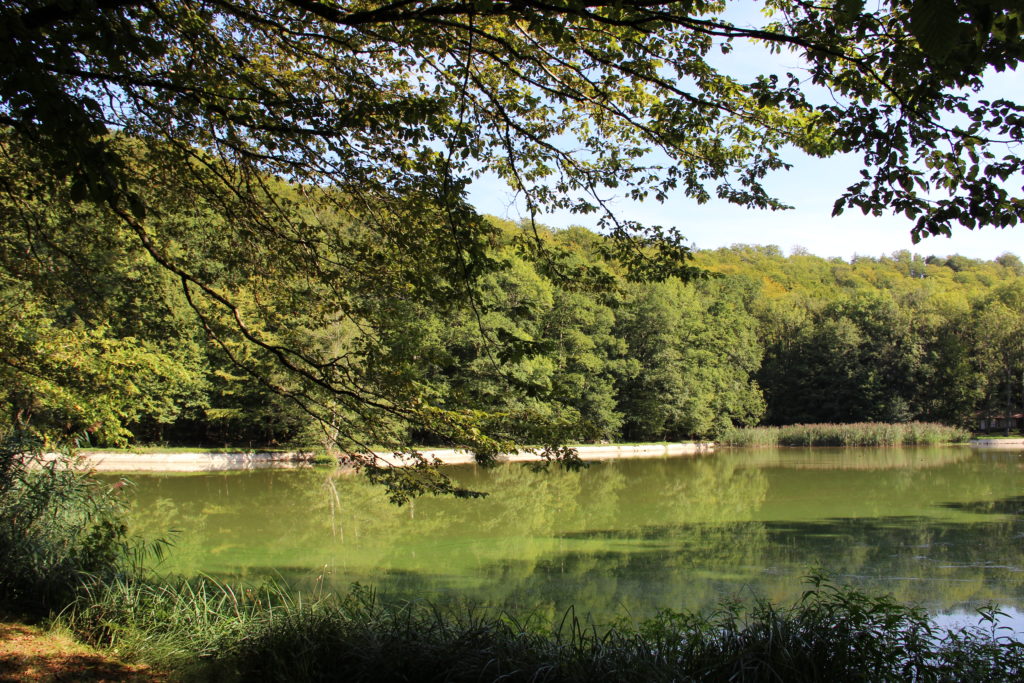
{"points": [[204, 630], [56, 525], [851, 434]]}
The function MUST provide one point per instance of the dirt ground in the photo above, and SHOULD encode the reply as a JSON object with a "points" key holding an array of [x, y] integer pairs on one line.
{"points": [[30, 654]]}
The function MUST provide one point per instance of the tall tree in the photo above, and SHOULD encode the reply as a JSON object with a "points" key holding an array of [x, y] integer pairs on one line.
{"points": [[692, 351], [999, 323]]}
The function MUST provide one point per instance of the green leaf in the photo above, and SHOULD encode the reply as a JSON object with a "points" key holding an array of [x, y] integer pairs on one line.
{"points": [[849, 9], [935, 25], [79, 190]]}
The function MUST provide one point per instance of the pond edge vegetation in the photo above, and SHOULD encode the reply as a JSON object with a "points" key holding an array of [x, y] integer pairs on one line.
{"points": [[852, 434], [71, 561]]}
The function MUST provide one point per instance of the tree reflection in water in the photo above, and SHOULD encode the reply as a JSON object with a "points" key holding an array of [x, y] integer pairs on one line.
{"points": [[938, 526]]}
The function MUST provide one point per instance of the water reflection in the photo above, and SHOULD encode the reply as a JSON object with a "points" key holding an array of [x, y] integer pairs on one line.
{"points": [[1006, 506], [938, 526]]}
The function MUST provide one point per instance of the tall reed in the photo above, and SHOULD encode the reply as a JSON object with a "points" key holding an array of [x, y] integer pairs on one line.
{"points": [[57, 527], [210, 631], [851, 434]]}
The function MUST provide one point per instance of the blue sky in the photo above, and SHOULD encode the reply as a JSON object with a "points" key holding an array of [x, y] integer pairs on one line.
{"points": [[811, 186]]}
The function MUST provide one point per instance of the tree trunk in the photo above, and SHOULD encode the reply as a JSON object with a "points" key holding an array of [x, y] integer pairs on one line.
{"points": [[1009, 402]]}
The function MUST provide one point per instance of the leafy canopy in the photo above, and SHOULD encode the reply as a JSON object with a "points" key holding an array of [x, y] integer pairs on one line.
{"points": [[564, 100], [335, 140]]}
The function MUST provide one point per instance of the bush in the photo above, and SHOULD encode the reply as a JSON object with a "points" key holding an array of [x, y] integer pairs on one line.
{"points": [[58, 528]]}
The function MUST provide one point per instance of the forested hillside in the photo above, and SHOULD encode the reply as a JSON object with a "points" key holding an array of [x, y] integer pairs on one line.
{"points": [[546, 341], [893, 338]]}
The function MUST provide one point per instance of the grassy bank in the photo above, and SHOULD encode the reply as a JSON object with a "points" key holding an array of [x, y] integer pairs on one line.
{"points": [[208, 631], [67, 554], [853, 434]]}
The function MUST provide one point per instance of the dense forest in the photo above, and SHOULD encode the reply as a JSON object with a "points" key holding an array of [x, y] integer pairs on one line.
{"points": [[546, 340], [241, 222]]}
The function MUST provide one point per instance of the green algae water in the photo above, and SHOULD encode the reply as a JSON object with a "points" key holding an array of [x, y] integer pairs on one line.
{"points": [[942, 527]]}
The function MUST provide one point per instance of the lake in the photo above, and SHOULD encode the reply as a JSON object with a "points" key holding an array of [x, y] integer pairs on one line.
{"points": [[939, 526]]}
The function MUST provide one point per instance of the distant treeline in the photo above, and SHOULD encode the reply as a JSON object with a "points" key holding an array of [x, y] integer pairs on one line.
{"points": [[551, 341], [891, 339]]}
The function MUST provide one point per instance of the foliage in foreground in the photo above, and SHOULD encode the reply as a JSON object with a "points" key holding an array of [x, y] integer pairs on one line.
{"points": [[57, 527], [855, 434], [210, 631]]}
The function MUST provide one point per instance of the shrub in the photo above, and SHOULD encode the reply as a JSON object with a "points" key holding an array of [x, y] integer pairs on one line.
{"points": [[58, 528]]}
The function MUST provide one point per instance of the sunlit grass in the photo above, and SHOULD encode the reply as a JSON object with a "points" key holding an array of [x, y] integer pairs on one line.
{"points": [[852, 434]]}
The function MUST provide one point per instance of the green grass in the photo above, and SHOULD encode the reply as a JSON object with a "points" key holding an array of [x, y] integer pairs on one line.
{"points": [[204, 630], [853, 434]]}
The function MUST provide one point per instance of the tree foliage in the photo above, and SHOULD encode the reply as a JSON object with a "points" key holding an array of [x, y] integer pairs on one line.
{"points": [[289, 178], [896, 338]]}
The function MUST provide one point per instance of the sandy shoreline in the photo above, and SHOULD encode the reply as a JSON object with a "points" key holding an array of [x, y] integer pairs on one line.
{"points": [[1016, 444], [200, 461]]}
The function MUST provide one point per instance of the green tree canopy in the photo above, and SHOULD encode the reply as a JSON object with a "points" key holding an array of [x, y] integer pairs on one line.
{"points": [[319, 152]]}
